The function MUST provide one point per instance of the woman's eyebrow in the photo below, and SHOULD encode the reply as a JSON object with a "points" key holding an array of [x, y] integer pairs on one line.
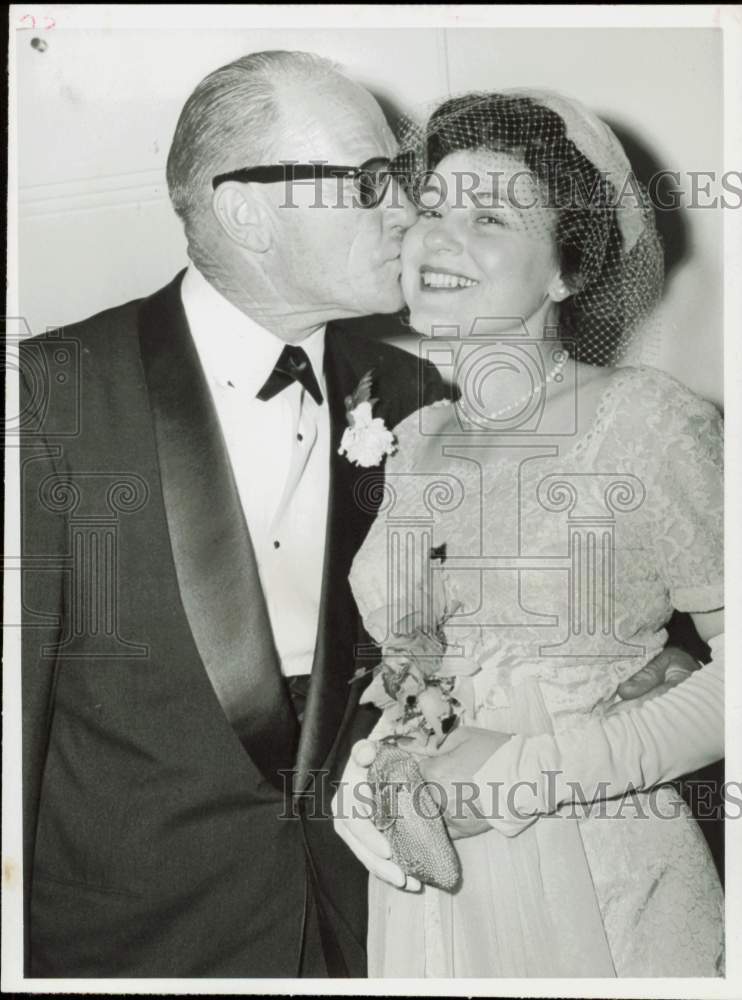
{"points": [[489, 198]]}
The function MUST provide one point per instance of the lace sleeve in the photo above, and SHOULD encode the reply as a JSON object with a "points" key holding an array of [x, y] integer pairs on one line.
{"points": [[689, 506]]}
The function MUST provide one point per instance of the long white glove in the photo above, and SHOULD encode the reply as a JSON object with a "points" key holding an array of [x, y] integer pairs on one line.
{"points": [[637, 748], [352, 813]]}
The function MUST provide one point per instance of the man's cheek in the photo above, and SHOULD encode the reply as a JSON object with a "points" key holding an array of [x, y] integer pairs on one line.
{"points": [[363, 261]]}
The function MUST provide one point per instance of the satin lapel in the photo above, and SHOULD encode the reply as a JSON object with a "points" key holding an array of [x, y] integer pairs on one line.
{"points": [[214, 558], [339, 630]]}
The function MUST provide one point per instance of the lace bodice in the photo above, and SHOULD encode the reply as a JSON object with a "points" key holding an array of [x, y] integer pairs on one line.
{"points": [[568, 559]]}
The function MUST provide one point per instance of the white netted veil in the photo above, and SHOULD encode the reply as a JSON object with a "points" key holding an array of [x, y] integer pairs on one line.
{"points": [[608, 244]]}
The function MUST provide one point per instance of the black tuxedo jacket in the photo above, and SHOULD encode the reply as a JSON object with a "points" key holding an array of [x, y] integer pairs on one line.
{"points": [[160, 838]]}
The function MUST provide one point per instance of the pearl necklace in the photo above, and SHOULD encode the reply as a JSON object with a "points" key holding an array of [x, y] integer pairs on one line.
{"points": [[555, 375]]}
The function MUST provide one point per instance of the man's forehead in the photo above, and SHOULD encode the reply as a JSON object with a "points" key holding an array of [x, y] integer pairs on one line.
{"points": [[344, 125]]}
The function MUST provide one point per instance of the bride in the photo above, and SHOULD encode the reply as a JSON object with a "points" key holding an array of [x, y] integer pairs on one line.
{"points": [[578, 504]]}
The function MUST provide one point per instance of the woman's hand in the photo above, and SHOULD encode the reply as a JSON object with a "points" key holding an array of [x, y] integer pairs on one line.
{"points": [[451, 772], [353, 822]]}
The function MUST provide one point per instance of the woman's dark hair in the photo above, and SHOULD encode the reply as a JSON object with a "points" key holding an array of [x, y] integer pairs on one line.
{"points": [[587, 235]]}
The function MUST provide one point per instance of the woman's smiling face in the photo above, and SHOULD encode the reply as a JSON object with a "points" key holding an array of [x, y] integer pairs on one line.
{"points": [[482, 248]]}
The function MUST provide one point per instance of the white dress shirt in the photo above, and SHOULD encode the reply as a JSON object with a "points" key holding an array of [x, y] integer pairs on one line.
{"points": [[280, 455]]}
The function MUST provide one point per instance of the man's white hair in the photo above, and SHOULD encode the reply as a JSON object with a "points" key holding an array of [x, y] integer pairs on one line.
{"points": [[229, 122]]}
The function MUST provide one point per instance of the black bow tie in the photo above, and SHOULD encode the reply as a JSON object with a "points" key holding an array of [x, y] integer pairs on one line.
{"points": [[292, 366]]}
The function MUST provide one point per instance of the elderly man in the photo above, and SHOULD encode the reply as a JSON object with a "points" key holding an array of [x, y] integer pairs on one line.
{"points": [[173, 822]]}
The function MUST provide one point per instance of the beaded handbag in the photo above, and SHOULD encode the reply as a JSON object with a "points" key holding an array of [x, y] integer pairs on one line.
{"points": [[409, 817]]}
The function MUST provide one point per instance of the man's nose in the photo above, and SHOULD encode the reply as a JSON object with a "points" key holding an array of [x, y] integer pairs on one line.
{"points": [[399, 211]]}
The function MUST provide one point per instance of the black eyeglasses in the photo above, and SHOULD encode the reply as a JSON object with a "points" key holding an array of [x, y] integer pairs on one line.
{"points": [[371, 179]]}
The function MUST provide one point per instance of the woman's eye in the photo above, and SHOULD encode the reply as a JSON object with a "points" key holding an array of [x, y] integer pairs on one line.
{"points": [[489, 220], [427, 213]]}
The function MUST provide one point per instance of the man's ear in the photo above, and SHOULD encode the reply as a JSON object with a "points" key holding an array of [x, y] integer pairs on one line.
{"points": [[242, 216]]}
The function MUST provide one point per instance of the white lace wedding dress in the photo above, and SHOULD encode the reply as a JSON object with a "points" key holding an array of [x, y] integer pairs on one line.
{"points": [[632, 892]]}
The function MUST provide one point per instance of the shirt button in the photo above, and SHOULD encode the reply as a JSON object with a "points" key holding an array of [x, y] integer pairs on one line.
{"points": [[300, 436], [276, 544]]}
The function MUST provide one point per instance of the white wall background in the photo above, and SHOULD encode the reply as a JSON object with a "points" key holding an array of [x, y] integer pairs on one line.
{"points": [[97, 109]]}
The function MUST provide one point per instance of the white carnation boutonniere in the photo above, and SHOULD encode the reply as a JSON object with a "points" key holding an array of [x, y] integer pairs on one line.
{"points": [[366, 439]]}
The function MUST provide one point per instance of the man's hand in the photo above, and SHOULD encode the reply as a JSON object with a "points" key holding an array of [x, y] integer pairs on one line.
{"points": [[452, 771], [668, 668], [352, 813]]}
